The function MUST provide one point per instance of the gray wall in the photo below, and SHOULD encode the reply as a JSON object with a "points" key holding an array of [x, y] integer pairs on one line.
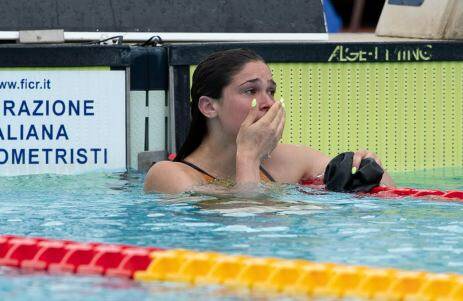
{"points": [[164, 15]]}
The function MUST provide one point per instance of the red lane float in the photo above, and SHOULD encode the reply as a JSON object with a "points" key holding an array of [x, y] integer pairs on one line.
{"points": [[65, 256], [390, 192]]}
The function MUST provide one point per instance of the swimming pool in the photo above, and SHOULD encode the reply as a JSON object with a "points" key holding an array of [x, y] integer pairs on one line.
{"points": [[292, 222]]}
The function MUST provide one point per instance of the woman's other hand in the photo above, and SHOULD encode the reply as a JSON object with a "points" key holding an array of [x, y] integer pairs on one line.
{"points": [[363, 154]]}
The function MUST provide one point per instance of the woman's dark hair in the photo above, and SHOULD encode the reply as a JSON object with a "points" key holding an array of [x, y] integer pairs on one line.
{"points": [[211, 76]]}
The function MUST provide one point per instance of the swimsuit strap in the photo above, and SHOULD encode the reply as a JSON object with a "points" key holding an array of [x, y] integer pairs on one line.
{"points": [[266, 173], [198, 169], [210, 177]]}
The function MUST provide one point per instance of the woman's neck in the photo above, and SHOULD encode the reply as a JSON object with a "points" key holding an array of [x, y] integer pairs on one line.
{"points": [[216, 155]]}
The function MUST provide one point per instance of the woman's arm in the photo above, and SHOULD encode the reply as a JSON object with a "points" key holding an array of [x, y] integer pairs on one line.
{"points": [[311, 164]]}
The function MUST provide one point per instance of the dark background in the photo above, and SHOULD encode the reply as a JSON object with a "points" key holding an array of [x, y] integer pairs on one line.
{"points": [[369, 12], [164, 15]]}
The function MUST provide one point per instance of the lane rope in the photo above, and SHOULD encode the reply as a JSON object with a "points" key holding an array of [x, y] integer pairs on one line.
{"points": [[293, 277]]}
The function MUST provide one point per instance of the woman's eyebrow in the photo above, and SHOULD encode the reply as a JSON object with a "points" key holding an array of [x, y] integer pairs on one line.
{"points": [[254, 80], [250, 81]]}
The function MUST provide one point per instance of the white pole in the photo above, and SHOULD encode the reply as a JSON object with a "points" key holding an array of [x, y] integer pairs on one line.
{"points": [[182, 36]]}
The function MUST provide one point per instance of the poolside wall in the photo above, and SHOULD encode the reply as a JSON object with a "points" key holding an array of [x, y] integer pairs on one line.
{"points": [[403, 100]]}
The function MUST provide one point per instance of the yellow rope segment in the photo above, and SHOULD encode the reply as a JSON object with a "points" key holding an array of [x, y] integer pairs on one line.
{"points": [[298, 277]]}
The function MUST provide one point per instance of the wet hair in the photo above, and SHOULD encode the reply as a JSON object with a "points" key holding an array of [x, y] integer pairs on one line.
{"points": [[211, 76]]}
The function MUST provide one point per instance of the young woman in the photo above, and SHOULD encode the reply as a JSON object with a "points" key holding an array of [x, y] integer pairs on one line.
{"points": [[235, 131]]}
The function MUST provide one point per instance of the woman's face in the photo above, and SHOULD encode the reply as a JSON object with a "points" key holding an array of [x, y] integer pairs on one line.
{"points": [[254, 80]]}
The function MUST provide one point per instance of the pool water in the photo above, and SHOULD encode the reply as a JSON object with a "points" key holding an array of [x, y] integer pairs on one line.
{"points": [[289, 222]]}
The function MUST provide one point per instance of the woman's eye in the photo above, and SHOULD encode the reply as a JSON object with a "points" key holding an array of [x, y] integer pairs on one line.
{"points": [[250, 91], [272, 92]]}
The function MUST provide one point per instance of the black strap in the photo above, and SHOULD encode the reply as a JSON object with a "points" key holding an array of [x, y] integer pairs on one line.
{"points": [[198, 169], [267, 174]]}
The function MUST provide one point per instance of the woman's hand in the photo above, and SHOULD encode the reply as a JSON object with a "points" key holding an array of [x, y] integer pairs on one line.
{"points": [[256, 139], [363, 154]]}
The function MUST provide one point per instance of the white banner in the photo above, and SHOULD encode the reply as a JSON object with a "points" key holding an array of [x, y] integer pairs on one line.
{"points": [[62, 121]]}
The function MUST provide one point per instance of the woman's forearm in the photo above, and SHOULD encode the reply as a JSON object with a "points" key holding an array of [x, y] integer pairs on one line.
{"points": [[247, 169]]}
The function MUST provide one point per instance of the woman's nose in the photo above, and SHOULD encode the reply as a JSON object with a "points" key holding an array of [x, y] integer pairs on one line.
{"points": [[267, 100]]}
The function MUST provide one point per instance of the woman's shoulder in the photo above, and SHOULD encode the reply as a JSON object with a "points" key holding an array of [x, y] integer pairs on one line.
{"points": [[293, 151], [169, 177]]}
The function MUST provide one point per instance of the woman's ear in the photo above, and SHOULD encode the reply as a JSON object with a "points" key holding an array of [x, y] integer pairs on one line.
{"points": [[207, 106]]}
